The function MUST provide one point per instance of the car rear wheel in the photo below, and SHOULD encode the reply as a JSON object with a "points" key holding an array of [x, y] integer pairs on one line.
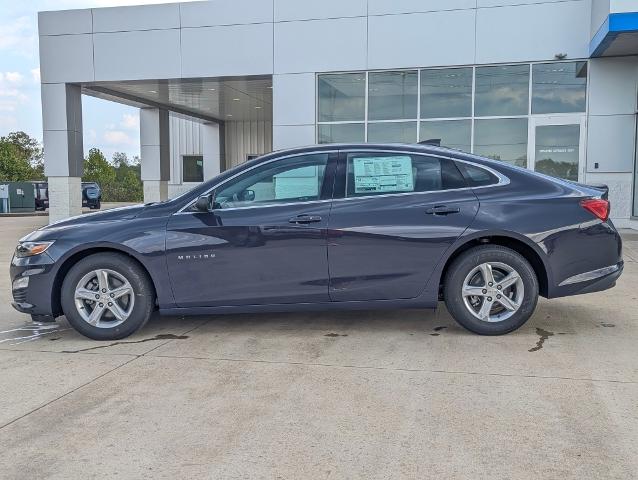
{"points": [[107, 296], [491, 290]]}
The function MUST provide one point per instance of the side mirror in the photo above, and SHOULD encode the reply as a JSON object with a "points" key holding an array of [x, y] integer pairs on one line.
{"points": [[205, 203], [248, 196]]}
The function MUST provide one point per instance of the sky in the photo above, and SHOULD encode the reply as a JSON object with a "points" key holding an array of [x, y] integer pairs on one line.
{"points": [[109, 126]]}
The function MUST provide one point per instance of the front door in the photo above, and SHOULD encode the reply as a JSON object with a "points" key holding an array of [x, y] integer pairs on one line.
{"points": [[264, 242], [557, 146], [399, 213]]}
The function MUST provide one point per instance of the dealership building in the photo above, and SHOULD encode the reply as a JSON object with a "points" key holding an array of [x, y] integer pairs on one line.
{"points": [[547, 85]]}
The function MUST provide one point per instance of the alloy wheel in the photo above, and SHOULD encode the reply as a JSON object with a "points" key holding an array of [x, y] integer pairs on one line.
{"points": [[493, 291], [104, 298]]}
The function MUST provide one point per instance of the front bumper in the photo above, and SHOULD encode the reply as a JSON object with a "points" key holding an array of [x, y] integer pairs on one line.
{"points": [[32, 285]]}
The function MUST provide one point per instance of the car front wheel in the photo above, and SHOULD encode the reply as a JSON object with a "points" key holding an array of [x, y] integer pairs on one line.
{"points": [[491, 290], [107, 296]]}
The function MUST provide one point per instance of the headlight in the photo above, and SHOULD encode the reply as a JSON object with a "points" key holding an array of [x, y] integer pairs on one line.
{"points": [[29, 249]]}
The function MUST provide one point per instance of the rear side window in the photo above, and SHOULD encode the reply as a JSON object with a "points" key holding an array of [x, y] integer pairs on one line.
{"points": [[476, 176], [386, 173]]}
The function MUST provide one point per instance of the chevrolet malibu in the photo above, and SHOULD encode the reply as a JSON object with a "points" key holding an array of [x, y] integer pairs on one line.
{"points": [[328, 227]]}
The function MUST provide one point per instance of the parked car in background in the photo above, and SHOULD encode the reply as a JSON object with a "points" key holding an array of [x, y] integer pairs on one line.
{"points": [[356, 226], [41, 190], [91, 195]]}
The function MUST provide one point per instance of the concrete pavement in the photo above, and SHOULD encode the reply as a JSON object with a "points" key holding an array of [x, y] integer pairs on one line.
{"points": [[399, 394]]}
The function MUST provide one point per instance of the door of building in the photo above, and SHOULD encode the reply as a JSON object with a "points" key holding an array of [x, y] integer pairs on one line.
{"points": [[557, 146]]}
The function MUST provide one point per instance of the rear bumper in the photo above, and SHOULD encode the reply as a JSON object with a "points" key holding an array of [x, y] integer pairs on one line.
{"points": [[589, 282]]}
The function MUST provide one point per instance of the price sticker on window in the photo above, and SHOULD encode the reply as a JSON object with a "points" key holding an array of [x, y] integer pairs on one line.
{"points": [[383, 174]]}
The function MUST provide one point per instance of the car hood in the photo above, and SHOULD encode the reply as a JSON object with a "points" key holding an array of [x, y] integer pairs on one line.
{"points": [[120, 213]]}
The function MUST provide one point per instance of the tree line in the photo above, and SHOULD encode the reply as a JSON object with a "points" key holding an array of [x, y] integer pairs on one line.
{"points": [[22, 160]]}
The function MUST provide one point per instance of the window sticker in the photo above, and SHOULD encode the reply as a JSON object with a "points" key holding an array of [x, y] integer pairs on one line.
{"points": [[383, 174]]}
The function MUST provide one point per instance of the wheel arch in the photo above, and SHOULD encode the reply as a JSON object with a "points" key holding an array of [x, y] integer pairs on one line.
{"points": [[75, 257], [518, 243]]}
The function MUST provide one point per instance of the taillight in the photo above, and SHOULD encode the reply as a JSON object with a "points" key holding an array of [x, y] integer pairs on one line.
{"points": [[597, 206]]}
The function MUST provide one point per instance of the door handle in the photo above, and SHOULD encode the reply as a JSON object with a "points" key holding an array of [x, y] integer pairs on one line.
{"points": [[304, 218], [442, 210]]}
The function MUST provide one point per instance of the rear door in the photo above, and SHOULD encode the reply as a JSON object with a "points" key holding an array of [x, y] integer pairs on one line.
{"points": [[397, 215]]}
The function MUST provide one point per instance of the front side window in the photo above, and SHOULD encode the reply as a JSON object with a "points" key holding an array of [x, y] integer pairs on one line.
{"points": [[193, 168], [294, 179], [371, 173]]}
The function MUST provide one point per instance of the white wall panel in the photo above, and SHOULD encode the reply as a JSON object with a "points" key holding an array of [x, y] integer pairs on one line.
{"points": [[320, 45], [599, 13], [185, 139], [244, 138], [65, 21], [611, 143], [286, 10], [532, 32], [620, 185], [288, 136], [228, 50], [225, 12], [294, 99], [421, 39], [613, 84], [66, 58], [622, 6], [137, 55], [383, 7], [143, 17]]}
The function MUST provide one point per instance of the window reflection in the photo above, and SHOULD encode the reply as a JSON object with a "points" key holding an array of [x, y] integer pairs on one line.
{"points": [[502, 90], [392, 132], [452, 133], [341, 133], [392, 95], [557, 149], [341, 97], [446, 93], [559, 87], [502, 139]]}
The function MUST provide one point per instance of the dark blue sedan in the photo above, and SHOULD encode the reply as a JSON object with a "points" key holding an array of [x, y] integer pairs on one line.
{"points": [[329, 227]]}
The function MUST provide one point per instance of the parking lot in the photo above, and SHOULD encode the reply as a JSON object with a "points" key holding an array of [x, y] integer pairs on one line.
{"points": [[375, 394]]}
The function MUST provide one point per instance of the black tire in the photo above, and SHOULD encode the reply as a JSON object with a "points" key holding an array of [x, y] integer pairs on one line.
{"points": [[470, 260], [128, 268]]}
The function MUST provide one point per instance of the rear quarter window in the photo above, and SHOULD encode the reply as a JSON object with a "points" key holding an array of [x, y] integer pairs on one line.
{"points": [[476, 176]]}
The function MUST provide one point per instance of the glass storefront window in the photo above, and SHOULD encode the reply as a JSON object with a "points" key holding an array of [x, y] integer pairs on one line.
{"points": [[502, 91], [392, 132], [502, 139], [452, 133], [446, 93], [192, 168], [557, 150], [341, 97], [341, 133], [559, 87], [392, 95]]}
